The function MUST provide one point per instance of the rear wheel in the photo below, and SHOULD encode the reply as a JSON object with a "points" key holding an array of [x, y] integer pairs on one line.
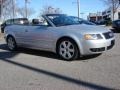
{"points": [[68, 50], [11, 43]]}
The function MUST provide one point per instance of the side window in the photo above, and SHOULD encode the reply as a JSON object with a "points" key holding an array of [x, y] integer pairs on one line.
{"points": [[16, 21], [40, 21], [43, 22], [8, 22], [21, 21]]}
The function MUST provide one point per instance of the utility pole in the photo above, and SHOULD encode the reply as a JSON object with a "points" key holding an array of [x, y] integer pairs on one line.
{"points": [[26, 10], [113, 9], [1, 9], [78, 6], [13, 7]]}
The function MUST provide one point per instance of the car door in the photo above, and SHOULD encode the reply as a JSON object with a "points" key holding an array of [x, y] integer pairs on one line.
{"points": [[19, 31], [39, 36]]}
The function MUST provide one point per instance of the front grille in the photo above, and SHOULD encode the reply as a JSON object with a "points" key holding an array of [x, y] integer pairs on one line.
{"points": [[97, 49], [108, 35]]}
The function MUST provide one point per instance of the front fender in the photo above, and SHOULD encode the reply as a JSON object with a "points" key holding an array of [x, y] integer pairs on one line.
{"points": [[77, 38]]}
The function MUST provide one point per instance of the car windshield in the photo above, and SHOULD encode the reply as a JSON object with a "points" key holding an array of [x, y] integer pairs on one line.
{"points": [[62, 20], [81, 21]]}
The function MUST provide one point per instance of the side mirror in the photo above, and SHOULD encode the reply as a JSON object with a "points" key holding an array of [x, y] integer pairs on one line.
{"points": [[35, 21]]}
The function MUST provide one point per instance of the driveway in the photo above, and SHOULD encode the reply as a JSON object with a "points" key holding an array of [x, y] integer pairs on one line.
{"points": [[28, 69]]}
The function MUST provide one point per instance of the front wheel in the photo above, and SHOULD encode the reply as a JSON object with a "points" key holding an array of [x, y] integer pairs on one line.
{"points": [[11, 43], [68, 50]]}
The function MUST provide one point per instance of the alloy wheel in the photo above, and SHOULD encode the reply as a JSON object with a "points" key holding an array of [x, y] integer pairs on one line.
{"points": [[11, 43], [66, 50]]}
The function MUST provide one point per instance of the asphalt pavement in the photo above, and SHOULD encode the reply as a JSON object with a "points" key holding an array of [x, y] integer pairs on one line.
{"points": [[28, 69]]}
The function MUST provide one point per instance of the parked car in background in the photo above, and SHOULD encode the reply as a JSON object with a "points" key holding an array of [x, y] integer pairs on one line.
{"points": [[62, 35], [106, 22], [101, 22], [13, 21], [82, 21], [116, 24]]}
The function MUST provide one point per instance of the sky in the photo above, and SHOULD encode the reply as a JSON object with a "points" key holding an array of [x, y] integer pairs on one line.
{"points": [[67, 6]]}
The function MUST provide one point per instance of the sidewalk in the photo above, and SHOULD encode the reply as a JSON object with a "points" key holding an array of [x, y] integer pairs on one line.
{"points": [[1, 35]]}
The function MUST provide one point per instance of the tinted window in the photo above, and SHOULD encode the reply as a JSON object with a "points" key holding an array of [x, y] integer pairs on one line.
{"points": [[21, 21], [9, 21], [43, 22]]}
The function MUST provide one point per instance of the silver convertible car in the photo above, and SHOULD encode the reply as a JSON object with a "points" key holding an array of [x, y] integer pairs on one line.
{"points": [[60, 34]]}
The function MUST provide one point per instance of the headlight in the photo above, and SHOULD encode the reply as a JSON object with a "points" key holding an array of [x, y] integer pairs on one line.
{"points": [[92, 36]]}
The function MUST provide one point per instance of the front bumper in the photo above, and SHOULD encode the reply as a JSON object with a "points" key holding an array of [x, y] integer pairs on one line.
{"points": [[97, 46]]}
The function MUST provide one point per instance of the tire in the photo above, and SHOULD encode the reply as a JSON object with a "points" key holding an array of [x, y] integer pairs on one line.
{"points": [[11, 43], [67, 49], [2, 30]]}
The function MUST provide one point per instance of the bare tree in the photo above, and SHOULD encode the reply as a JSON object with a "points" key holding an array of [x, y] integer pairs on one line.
{"points": [[113, 5], [8, 9], [25, 11], [22, 12], [50, 10]]}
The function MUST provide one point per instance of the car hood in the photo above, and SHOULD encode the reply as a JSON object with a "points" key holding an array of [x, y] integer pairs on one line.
{"points": [[91, 29]]}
